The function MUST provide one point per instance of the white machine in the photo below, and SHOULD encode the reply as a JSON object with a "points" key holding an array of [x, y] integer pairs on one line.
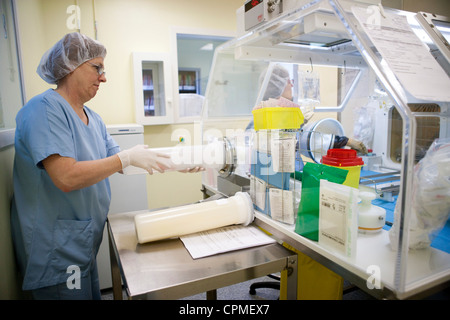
{"points": [[128, 193]]}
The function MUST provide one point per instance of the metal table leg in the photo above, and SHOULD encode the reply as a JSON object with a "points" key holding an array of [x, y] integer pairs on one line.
{"points": [[115, 271], [292, 273], [211, 295]]}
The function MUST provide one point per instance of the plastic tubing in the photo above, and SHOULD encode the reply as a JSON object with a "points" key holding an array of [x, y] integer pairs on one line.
{"points": [[182, 220]]}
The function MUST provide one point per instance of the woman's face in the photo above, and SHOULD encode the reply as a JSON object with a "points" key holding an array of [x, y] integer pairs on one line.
{"points": [[86, 80]]}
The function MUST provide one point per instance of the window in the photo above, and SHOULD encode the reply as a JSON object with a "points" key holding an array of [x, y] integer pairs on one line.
{"points": [[195, 54], [11, 87]]}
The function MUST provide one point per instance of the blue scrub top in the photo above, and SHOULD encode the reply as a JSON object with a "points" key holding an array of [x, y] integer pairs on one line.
{"points": [[52, 229]]}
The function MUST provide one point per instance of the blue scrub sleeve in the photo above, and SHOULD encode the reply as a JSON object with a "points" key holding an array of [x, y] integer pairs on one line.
{"points": [[48, 134], [111, 146]]}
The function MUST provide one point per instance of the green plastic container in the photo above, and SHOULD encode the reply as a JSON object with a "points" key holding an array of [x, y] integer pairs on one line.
{"points": [[307, 223]]}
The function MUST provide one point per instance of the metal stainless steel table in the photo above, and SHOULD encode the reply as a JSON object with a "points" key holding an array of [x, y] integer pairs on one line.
{"points": [[165, 270]]}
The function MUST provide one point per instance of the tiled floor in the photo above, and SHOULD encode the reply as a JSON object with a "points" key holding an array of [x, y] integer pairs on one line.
{"points": [[241, 292]]}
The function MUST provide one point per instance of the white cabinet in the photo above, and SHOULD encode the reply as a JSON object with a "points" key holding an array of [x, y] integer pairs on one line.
{"points": [[153, 88]]}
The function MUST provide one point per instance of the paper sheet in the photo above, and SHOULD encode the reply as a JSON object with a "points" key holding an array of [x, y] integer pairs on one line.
{"points": [[220, 240], [407, 56]]}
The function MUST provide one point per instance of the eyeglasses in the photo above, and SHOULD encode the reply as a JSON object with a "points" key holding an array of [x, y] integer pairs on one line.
{"points": [[100, 68]]}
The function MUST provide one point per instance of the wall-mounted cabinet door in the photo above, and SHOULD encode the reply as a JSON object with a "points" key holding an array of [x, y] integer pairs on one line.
{"points": [[153, 88]]}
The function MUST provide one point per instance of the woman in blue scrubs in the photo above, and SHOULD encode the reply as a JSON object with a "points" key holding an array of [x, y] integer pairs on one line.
{"points": [[63, 158]]}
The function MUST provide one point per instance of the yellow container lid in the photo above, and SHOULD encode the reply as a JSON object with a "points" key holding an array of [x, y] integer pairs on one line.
{"points": [[277, 118]]}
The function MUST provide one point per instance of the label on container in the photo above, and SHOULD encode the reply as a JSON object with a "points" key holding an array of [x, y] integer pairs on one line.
{"points": [[283, 155], [281, 205], [262, 141], [260, 193], [337, 217]]}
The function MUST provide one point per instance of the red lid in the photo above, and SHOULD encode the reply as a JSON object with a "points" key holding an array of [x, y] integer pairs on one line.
{"points": [[342, 158]]}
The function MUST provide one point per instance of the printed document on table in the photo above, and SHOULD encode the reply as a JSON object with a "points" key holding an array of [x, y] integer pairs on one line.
{"points": [[408, 57], [220, 240]]}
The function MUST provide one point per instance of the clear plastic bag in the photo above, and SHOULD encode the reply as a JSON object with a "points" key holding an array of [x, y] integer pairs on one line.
{"points": [[365, 124], [431, 197]]}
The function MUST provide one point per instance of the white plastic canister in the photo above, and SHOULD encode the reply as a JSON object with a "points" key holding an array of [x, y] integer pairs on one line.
{"points": [[182, 220], [371, 218]]}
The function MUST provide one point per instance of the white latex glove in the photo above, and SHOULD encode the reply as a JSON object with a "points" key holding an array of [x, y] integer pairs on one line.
{"points": [[140, 156], [357, 145], [192, 170], [307, 112]]}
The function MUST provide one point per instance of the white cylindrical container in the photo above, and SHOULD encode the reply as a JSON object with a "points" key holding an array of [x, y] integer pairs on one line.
{"points": [[182, 220], [182, 157], [371, 219]]}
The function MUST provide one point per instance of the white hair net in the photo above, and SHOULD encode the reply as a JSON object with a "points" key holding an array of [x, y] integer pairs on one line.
{"points": [[68, 54], [275, 87], [277, 82]]}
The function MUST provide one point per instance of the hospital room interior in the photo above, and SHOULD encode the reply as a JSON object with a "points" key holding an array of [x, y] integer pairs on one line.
{"points": [[300, 149]]}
